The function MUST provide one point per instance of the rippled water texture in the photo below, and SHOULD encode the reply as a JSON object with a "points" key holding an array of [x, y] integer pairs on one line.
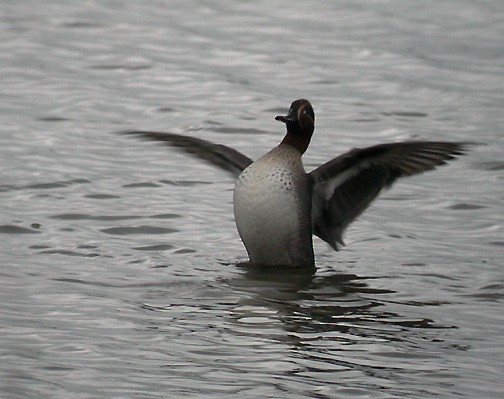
{"points": [[121, 266]]}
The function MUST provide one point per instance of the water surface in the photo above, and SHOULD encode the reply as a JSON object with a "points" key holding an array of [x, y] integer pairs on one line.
{"points": [[122, 272]]}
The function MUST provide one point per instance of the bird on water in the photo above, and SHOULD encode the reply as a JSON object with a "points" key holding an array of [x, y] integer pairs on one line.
{"points": [[278, 207]]}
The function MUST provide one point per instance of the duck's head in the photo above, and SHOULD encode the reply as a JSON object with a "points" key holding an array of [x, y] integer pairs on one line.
{"points": [[300, 121]]}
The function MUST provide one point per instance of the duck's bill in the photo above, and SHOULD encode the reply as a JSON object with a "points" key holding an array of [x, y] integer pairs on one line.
{"points": [[285, 119]]}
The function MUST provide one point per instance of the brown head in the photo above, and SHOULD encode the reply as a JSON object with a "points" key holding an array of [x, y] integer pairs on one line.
{"points": [[300, 121]]}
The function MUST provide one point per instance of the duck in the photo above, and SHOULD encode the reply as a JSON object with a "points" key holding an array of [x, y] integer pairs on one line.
{"points": [[278, 207]]}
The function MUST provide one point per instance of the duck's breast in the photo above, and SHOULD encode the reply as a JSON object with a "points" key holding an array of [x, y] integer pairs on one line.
{"points": [[272, 207]]}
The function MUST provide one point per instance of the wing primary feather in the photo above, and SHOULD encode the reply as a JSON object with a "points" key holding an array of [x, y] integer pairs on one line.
{"points": [[346, 185], [219, 155]]}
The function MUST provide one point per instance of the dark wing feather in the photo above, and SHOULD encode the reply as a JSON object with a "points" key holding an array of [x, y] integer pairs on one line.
{"points": [[218, 155], [345, 186]]}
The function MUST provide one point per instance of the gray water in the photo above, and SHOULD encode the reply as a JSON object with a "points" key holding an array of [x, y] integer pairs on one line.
{"points": [[121, 273]]}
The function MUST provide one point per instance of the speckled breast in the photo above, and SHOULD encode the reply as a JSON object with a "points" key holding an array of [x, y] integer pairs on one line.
{"points": [[272, 207]]}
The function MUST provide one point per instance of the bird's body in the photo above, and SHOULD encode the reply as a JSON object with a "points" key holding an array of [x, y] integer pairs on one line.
{"points": [[278, 206], [272, 209]]}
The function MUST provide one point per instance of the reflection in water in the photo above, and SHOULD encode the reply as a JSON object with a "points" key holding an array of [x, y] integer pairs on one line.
{"points": [[307, 303], [334, 323]]}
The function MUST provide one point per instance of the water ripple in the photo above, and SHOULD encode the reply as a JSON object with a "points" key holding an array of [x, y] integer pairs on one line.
{"points": [[144, 229], [13, 229]]}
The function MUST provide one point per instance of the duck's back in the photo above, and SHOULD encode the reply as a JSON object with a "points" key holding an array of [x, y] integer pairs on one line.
{"points": [[272, 208]]}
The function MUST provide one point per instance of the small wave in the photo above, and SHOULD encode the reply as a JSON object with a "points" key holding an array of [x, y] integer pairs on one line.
{"points": [[13, 229], [121, 231]]}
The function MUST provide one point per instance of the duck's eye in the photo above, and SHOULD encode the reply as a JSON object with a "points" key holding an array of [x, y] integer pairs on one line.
{"points": [[305, 111], [308, 112]]}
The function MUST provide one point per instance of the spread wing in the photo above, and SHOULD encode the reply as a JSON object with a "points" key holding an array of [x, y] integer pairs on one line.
{"points": [[218, 155], [345, 186]]}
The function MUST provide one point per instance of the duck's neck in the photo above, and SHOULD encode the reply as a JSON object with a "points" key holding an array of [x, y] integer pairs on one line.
{"points": [[297, 138]]}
